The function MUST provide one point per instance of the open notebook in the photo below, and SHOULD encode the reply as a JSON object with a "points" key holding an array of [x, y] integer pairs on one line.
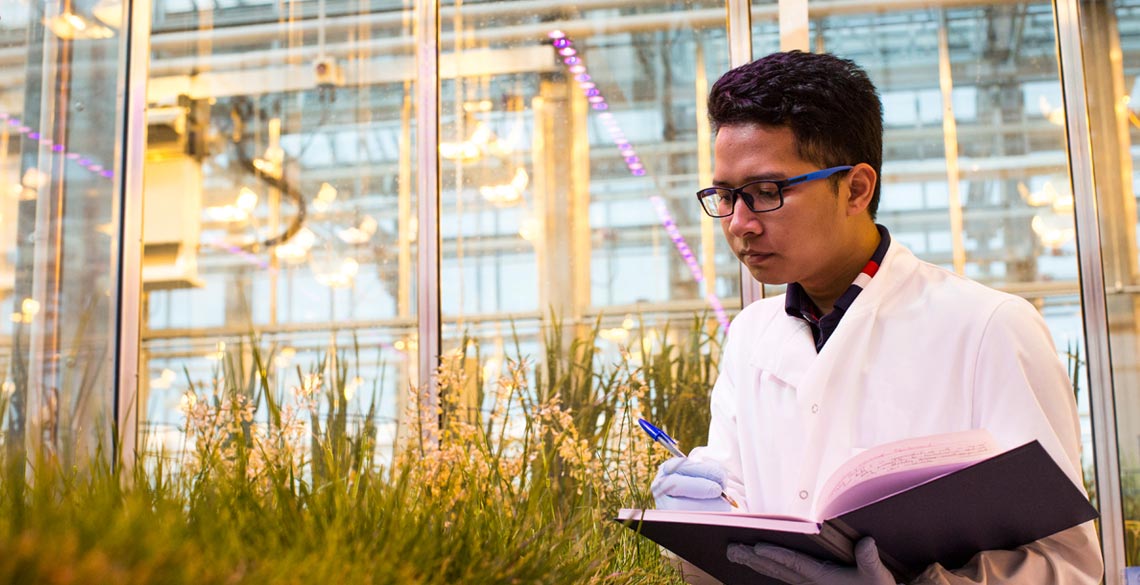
{"points": [[940, 498]]}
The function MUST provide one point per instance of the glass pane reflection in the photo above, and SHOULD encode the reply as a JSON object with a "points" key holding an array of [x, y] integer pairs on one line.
{"points": [[279, 198], [58, 271], [572, 141]]}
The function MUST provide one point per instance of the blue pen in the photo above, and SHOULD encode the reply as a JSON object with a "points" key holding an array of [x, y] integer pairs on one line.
{"points": [[663, 438]]}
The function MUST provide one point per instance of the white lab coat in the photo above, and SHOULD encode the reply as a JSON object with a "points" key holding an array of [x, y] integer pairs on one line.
{"points": [[920, 351]]}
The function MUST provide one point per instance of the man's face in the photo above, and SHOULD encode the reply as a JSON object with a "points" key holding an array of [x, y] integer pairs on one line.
{"points": [[804, 240]]}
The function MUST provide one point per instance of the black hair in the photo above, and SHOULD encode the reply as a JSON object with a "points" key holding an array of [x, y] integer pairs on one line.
{"points": [[829, 103]]}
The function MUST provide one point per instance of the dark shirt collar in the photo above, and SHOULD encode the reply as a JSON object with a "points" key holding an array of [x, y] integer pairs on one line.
{"points": [[798, 304]]}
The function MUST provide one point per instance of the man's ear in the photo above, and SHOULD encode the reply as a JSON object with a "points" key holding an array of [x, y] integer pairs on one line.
{"points": [[862, 180]]}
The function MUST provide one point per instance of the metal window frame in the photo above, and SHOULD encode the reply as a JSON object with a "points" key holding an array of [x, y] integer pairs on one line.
{"points": [[427, 91], [1102, 401], [739, 25], [130, 140]]}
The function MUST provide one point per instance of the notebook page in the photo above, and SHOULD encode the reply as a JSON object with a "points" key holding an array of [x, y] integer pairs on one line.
{"points": [[893, 467]]}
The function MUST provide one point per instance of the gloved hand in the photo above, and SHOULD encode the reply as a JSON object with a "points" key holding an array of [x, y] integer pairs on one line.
{"points": [[686, 484], [800, 569]]}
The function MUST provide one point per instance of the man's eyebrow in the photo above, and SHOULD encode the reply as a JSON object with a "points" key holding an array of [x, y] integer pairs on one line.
{"points": [[751, 179]]}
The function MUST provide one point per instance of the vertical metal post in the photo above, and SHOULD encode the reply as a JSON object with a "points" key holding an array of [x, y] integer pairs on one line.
{"points": [[704, 173], [1101, 392], [427, 182], [739, 13], [950, 144], [404, 208], [581, 246], [794, 25], [130, 140]]}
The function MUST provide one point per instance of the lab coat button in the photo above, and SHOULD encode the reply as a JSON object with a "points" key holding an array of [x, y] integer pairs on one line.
{"points": [[803, 494], [814, 408]]}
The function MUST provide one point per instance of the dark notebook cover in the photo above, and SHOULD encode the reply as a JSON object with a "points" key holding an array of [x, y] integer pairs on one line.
{"points": [[705, 545], [1002, 502]]}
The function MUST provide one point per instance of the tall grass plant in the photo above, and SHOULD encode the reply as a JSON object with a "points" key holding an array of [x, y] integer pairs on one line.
{"points": [[290, 489]]}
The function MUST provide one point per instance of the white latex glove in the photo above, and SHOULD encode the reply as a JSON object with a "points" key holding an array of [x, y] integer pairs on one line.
{"points": [[685, 484], [800, 569]]}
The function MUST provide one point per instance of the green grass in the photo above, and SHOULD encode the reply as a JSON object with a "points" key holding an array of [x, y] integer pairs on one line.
{"points": [[520, 492]]}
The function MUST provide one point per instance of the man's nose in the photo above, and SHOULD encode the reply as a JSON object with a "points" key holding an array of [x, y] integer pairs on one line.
{"points": [[742, 221]]}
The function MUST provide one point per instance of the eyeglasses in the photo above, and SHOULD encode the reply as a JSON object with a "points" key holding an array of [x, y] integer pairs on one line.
{"points": [[759, 196]]}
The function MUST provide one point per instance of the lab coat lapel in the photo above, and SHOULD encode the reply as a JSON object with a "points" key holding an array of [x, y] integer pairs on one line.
{"points": [[831, 391], [791, 354]]}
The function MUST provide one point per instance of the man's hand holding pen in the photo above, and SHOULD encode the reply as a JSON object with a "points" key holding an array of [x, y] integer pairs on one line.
{"points": [[682, 484], [685, 484]]}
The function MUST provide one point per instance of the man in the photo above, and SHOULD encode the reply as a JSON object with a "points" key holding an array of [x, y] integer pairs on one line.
{"points": [[869, 344]]}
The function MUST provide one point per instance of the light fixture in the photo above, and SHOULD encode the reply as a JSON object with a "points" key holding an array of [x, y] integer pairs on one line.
{"points": [[1059, 199], [508, 193], [358, 234], [1039, 198], [28, 309], [34, 178], [284, 357], [325, 196], [75, 27], [1053, 221], [164, 380], [470, 149], [225, 213], [271, 162], [109, 12], [297, 248], [615, 335], [492, 368], [479, 106], [459, 151], [650, 341], [247, 199], [351, 386], [1054, 115], [341, 275], [1053, 229], [219, 352], [236, 212]]}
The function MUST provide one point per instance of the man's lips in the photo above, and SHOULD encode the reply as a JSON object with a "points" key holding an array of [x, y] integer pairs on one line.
{"points": [[754, 256]]}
